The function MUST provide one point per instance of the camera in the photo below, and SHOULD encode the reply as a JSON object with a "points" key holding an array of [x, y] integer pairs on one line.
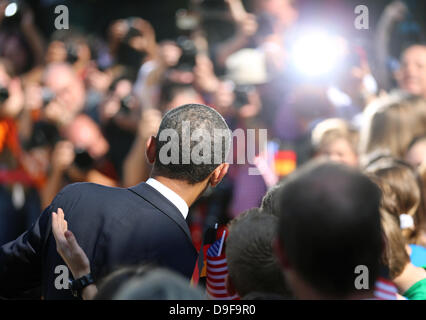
{"points": [[47, 96], [13, 13], [189, 52], [44, 134], [4, 94], [71, 48], [127, 55], [241, 93], [125, 102], [83, 160]]}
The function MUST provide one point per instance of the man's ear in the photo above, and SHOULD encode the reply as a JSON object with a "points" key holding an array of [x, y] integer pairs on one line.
{"points": [[151, 149], [218, 174], [280, 254], [229, 286]]}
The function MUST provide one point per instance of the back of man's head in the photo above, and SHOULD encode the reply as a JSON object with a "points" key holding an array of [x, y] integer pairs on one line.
{"points": [[329, 224], [191, 142], [252, 266]]}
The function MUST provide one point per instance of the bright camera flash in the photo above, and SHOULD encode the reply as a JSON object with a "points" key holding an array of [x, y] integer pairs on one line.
{"points": [[317, 53], [11, 9]]}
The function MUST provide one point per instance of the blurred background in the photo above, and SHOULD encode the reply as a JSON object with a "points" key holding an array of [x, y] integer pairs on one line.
{"points": [[78, 104]]}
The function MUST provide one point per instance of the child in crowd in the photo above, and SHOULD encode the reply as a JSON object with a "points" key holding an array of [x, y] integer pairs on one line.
{"points": [[336, 140], [254, 271], [403, 199], [391, 123], [402, 196]]}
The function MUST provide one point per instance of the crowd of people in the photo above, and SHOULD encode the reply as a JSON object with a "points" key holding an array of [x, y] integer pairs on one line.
{"points": [[342, 182]]}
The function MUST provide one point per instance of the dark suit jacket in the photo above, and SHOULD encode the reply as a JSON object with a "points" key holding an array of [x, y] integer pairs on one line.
{"points": [[115, 227]]}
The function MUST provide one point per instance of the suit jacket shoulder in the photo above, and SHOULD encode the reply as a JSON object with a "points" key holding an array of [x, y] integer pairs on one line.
{"points": [[119, 227]]}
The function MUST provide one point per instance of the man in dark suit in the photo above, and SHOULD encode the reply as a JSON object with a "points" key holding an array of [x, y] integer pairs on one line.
{"points": [[117, 227]]}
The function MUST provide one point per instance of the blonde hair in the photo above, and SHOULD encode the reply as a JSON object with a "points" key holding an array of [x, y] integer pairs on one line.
{"points": [[421, 170], [395, 255], [402, 193], [391, 125], [331, 130]]}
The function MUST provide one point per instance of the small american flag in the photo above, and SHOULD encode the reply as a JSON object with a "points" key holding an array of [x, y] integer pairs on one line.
{"points": [[217, 270], [385, 289]]}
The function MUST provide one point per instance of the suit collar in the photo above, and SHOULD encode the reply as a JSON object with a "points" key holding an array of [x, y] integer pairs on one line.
{"points": [[172, 196], [163, 204]]}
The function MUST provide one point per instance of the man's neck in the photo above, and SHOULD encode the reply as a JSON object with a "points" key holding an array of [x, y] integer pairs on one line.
{"points": [[188, 192], [409, 276]]}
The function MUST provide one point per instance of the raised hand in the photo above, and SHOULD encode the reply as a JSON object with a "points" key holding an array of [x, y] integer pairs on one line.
{"points": [[68, 247]]}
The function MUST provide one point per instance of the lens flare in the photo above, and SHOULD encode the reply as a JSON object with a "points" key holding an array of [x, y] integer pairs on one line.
{"points": [[11, 9], [317, 53]]}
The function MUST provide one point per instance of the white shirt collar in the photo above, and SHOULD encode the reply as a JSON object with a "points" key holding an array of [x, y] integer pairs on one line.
{"points": [[172, 196]]}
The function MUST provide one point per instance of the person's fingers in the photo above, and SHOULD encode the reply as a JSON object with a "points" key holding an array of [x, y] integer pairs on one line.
{"points": [[57, 231], [58, 235], [72, 241], [73, 245], [80, 262], [64, 222], [61, 219], [54, 224], [61, 225]]}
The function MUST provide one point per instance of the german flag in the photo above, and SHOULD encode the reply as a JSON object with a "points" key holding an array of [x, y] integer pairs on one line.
{"points": [[199, 274], [284, 162]]}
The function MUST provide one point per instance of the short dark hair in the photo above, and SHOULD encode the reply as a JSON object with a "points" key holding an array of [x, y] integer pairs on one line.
{"points": [[329, 224], [252, 265], [198, 117], [269, 200], [408, 44]]}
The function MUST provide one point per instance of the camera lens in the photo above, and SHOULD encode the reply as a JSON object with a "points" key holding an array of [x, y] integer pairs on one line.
{"points": [[4, 94], [47, 96]]}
